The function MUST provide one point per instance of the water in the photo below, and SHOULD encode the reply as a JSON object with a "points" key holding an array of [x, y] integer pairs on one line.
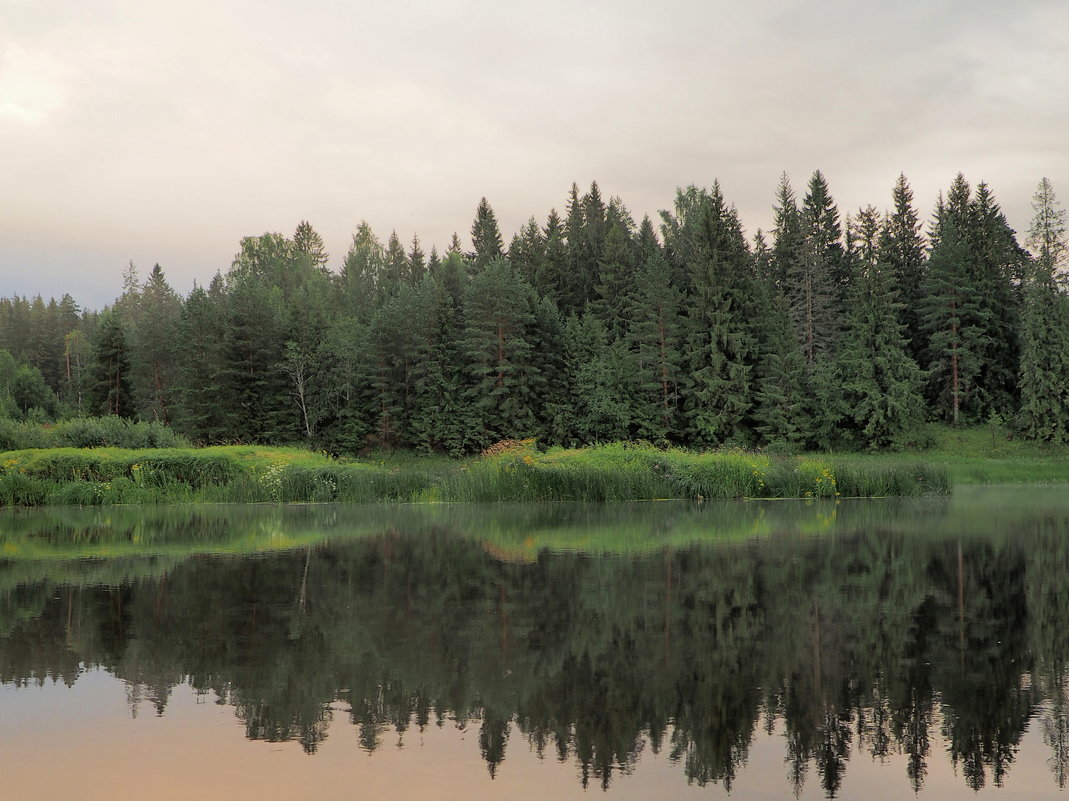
{"points": [[866, 649]]}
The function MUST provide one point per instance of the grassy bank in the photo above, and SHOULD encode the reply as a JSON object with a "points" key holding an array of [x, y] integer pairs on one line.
{"points": [[517, 472]]}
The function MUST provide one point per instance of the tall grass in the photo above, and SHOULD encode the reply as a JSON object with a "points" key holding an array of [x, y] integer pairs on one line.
{"points": [[617, 472]]}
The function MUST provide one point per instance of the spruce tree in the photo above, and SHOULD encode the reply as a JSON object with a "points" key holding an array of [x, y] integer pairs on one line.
{"points": [[881, 382], [813, 279], [600, 381], [953, 321], [485, 237], [719, 347], [503, 386], [361, 272], [1044, 371], [998, 264], [902, 249], [654, 339], [155, 345], [787, 235], [202, 411], [110, 387]]}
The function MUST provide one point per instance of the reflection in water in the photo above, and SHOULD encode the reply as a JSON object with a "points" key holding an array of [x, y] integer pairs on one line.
{"points": [[584, 633]]}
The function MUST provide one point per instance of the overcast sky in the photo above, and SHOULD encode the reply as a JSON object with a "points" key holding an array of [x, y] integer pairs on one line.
{"points": [[166, 131]]}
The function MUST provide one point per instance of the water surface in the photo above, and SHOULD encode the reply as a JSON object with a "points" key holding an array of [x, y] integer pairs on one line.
{"points": [[865, 649]]}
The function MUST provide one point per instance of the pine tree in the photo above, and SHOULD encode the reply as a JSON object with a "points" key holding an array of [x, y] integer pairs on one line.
{"points": [[779, 410], [527, 253], [436, 417], [255, 388], [417, 265]]}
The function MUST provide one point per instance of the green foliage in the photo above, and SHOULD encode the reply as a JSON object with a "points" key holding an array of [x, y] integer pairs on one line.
{"points": [[87, 432]]}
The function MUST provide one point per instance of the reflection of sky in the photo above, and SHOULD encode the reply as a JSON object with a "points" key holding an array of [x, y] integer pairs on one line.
{"points": [[83, 743]]}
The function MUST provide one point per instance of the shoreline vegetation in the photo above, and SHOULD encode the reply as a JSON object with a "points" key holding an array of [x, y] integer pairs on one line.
{"points": [[511, 471], [104, 461]]}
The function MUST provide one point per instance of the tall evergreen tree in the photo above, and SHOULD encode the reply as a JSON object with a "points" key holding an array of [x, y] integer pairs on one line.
{"points": [[110, 388], [902, 249], [202, 411], [814, 280], [787, 234], [881, 382], [485, 237], [998, 264], [361, 272], [719, 345], [155, 347], [954, 323], [1044, 370], [654, 339], [502, 393]]}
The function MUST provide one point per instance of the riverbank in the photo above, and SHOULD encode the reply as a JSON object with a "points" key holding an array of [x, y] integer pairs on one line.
{"points": [[515, 471]]}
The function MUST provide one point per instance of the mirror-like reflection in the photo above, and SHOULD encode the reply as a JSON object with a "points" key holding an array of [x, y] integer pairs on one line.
{"points": [[932, 629]]}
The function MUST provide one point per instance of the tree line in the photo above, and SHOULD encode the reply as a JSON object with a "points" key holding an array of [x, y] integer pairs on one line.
{"points": [[830, 331]]}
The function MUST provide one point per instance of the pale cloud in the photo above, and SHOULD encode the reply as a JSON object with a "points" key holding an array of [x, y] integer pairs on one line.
{"points": [[164, 132], [29, 89]]}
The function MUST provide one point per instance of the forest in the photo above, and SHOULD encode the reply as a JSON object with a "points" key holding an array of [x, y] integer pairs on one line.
{"points": [[829, 331]]}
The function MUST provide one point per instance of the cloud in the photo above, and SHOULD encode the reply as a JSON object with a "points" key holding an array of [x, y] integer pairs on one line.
{"points": [[165, 132]]}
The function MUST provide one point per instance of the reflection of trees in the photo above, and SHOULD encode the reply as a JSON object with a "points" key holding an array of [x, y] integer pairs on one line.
{"points": [[854, 643]]}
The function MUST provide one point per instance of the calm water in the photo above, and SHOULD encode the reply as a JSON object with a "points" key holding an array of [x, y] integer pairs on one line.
{"points": [[866, 649]]}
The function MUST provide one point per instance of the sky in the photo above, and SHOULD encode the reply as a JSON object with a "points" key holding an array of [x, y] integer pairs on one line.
{"points": [[163, 132]]}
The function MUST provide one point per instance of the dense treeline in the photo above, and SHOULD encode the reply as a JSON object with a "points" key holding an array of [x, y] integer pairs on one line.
{"points": [[868, 644], [831, 331]]}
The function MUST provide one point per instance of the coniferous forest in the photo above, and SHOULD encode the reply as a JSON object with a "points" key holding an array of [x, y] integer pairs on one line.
{"points": [[832, 330]]}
